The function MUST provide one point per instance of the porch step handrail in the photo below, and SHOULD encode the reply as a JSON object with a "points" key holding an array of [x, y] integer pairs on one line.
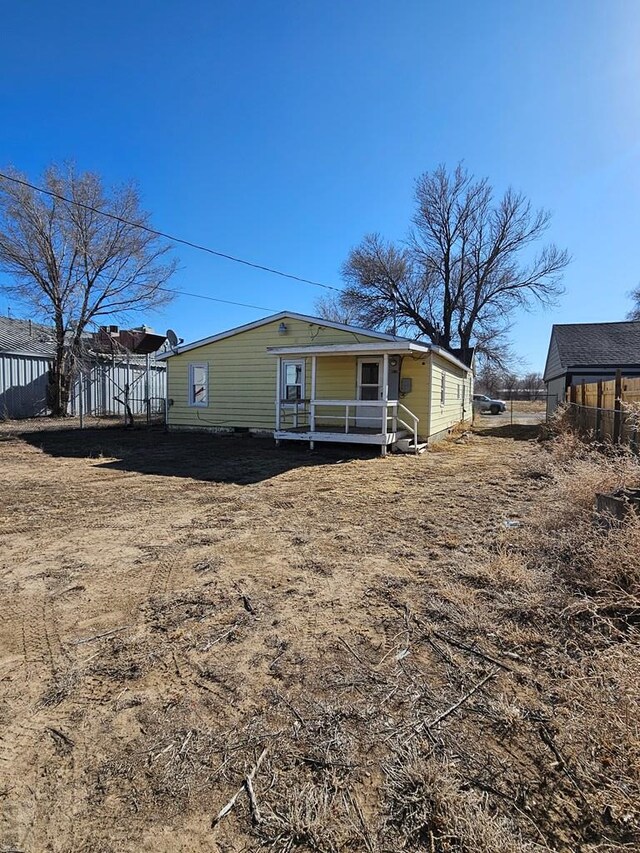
{"points": [[416, 421]]}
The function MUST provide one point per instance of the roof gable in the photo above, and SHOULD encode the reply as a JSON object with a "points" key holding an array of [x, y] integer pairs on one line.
{"points": [[592, 345], [282, 315]]}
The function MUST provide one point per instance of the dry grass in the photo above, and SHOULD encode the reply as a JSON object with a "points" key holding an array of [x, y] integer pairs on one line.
{"points": [[528, 406], [437, 653]]}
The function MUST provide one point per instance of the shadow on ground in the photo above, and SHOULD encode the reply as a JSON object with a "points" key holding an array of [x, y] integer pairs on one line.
{"points": [[236, 458], [518, 432]]}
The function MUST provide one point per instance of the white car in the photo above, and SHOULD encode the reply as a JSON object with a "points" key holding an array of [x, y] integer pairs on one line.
{"points": [[482, 403]]}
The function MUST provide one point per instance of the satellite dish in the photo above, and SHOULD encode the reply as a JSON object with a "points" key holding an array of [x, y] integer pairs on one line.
{"points": [[172, 338]]}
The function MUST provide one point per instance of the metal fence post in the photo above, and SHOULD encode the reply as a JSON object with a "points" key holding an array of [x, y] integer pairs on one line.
{"points": [[147, 391], [81, 398]]}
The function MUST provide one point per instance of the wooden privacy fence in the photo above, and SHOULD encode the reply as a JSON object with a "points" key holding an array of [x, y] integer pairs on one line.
{"points": [[610, 410]]}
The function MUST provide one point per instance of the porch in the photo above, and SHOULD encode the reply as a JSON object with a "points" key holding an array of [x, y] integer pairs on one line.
{"points": [[371, 415]]}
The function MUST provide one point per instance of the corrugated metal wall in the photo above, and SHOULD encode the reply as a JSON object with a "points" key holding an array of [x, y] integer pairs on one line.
{"points": [[104, 388], [23, 387]]}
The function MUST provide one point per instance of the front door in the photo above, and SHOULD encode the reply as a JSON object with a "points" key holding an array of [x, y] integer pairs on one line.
{"points": [[369, 387]]}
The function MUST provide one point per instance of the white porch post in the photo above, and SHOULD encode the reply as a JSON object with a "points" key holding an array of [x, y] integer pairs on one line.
{"points": [[312, 404], [385, 397], [278, 394], [385, 389]]}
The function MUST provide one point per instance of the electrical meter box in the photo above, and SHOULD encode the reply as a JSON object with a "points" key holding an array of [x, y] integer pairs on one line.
{"points": [[405, 385]]}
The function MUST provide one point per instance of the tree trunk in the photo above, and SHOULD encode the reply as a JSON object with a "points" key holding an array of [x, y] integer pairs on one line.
{"points": [[60, 377]]}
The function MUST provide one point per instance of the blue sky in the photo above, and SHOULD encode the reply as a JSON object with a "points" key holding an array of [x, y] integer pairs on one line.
{"points": [[284, 131]]}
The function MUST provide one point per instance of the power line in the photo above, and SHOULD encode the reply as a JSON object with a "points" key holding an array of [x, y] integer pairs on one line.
{"points": [[215, 299], [169, 236], [200, 296]]}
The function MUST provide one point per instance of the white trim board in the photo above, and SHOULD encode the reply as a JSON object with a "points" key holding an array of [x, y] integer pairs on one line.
{"points": [[399, 345], [333, 349]]}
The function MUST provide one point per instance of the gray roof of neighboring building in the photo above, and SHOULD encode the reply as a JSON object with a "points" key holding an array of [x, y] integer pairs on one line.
{"points": [[25, 336], [607, 345]]}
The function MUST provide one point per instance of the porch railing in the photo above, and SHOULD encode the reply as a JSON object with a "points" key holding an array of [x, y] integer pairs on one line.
{"points": [[297, 414]]}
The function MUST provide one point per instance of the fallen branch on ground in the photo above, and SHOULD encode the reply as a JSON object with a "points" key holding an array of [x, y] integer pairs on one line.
{"points": [[247, 786], [100, 636], [460, 702], [445, 638]]}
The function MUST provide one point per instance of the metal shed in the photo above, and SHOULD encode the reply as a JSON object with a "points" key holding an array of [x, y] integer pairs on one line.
{"points": [[27, 350]]}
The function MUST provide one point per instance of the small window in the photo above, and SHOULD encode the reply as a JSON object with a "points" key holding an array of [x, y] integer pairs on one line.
{"points": [[458, 390], [293, 380], [198, 384], [443, 390]]}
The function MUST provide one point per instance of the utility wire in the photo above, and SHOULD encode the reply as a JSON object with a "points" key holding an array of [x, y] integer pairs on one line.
{"points": [[215, 299], [169, 236], [200, 296]]}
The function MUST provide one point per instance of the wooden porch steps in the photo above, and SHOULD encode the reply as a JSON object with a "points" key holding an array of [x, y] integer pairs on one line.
{"points": [[407, 445]]}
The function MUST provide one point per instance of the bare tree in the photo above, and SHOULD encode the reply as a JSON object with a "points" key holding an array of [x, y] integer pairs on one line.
{"points": [[532, 385], [332, 308], [377, 275], [70, 264], [466, 266], [634, 314], [489, 379]]}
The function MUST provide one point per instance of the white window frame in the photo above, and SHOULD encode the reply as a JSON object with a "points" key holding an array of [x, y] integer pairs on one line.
{"points": [[443, 389], [198, 404], [283, 379]]}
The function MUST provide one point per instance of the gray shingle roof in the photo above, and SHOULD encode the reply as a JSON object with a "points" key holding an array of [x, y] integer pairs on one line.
{"points": [[25, 336], [593, 345]]}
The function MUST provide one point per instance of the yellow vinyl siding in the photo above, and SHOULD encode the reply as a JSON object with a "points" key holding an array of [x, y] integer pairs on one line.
{"points": [[335, 377], [417, 400], [335, 380], [242, 375], [444, 417]]}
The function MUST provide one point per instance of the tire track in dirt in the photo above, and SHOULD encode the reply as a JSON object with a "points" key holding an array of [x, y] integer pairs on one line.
{"points": [[40, 649], [40, 640], [19, 746], [166, 559]]}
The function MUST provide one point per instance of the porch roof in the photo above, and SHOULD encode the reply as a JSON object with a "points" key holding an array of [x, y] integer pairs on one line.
{"points": [[399, 347]]}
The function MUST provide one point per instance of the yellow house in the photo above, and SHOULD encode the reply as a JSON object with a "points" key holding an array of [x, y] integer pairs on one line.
{"points": [[302, 378]]}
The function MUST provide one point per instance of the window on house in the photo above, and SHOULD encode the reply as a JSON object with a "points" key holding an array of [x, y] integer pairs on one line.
{"points": [[198, 384], [442, 390], [458, 390], [293, 380]]}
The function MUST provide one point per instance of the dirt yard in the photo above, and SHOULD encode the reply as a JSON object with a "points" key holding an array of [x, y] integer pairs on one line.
{"points": [[179, 611]]}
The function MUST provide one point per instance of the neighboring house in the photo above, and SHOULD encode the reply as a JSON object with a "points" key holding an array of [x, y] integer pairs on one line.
{"points": [[306, 379], [589, 352], [113, 359]]}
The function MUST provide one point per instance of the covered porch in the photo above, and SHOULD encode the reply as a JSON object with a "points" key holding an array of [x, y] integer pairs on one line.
{"points": [[347, 393]]}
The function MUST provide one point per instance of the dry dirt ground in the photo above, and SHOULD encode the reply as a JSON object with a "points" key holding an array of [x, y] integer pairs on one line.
{"points": [[177, 609]]}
